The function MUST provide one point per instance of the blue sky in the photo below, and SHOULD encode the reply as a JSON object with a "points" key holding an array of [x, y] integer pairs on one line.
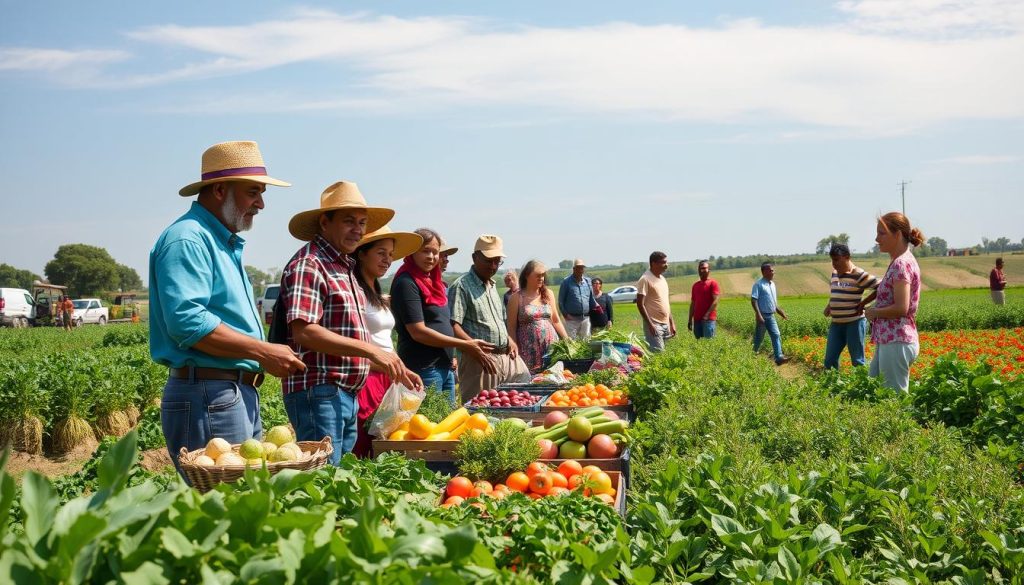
{"points": [[593, 129]]}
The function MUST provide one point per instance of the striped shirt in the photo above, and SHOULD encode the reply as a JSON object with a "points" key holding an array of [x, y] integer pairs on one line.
{"points": [[847, 291]]}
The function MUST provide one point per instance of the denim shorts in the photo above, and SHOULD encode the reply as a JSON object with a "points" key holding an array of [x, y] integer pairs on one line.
{"points": [[193, 412]]}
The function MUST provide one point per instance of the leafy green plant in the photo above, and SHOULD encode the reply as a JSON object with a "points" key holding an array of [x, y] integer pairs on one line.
{"points": [[495, 456], [436, 405]]}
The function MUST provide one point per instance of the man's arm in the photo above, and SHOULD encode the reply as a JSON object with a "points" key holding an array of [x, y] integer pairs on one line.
{"points": [[278, 360], [485, 362], [643, 313], [689, 319], [322, 340], [563, 293], [713, 307], [757, 312]]}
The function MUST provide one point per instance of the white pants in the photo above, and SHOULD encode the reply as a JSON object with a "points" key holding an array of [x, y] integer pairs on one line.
{"points": [[999, 297], [893, 361], [577, 327]]}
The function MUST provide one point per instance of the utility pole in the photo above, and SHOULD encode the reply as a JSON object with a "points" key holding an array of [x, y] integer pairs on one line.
{"points": [[903, 194]]}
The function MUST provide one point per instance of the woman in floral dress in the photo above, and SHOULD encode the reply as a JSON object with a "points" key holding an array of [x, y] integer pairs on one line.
{"points": [[533, 319], [893, 324]]}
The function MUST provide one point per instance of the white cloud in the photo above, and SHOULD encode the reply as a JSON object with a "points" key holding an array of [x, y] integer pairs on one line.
{"points": [[851, 79], [937, 17], [54, 60], [980, 159]]}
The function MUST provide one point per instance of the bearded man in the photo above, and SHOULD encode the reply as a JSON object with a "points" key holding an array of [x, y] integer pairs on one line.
{"points": [[203, 321]]}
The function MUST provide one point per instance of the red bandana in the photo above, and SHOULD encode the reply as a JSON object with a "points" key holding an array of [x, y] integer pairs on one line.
{"points": [[430, 283]]}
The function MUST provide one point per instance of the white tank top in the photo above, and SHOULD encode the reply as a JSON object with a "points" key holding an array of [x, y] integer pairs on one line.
{"points": [[380, 322]]}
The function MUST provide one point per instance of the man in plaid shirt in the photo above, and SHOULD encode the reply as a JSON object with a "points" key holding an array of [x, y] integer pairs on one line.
{"points": [[324, 308]]}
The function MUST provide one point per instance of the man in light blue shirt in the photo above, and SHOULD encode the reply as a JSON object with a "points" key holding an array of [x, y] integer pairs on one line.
{"points": [[203, 321], [576, 301], [765, 301]]}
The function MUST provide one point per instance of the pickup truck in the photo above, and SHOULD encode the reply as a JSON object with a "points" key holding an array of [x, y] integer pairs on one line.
{"points": [[89, 311]]}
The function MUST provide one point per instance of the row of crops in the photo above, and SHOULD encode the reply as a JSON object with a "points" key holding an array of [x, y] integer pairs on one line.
{"points": [[739, 476], [938, 311], [75, 386]]}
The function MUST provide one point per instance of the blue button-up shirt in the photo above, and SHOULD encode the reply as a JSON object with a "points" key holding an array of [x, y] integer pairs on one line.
{"points": [[576, 299], [767, 298], [197, 282]]}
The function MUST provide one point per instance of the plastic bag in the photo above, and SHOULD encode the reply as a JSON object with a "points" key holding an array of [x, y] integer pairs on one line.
{"points": [[552, 375], [395, 409]]}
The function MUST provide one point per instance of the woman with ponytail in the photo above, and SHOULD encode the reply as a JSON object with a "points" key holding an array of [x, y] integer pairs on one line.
{"points": [[893, 324]]}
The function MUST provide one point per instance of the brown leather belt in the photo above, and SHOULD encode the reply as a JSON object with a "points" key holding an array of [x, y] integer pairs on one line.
{"points": [[240, 376]]}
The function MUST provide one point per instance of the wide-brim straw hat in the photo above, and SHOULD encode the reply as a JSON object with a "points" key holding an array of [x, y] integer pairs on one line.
{"points": [[232, 161], [341, 195], [448, 250], [405, 242]]}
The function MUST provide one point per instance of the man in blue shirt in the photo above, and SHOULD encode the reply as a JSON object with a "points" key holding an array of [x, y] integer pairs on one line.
{"points": [[576, 301], [765, 301], [203, 321]]}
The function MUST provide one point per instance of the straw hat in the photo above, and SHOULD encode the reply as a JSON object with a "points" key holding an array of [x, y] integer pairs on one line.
{"points": [[490, 246], [341, 195], [405, 242], [579, 262], [448, 250], [232, 161]]}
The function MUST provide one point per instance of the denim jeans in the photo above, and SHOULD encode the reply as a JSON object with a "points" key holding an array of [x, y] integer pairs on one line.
{"points": [[194, 411], [704, 329], [324, 410], [772, 327], [440, 378], [848, 335]]}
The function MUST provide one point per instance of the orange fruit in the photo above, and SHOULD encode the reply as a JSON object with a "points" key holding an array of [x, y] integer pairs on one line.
{"points": [[592, 470], [556, 491], [569, 468], [484, 486], [558, 479], [610, 500], [541, 482], [535, 468], [577, 480], [518, 482]]}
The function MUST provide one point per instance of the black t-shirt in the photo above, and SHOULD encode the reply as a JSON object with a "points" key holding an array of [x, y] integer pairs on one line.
{"points": [[407, 306], [603, 314]]}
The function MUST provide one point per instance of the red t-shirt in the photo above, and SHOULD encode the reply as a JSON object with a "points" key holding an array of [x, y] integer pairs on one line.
{"points": [[701, 295]]}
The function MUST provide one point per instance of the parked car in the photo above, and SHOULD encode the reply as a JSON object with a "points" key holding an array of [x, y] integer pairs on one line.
{"points": [[265, 304], [17, 309], [623, 294], [89, 311]]}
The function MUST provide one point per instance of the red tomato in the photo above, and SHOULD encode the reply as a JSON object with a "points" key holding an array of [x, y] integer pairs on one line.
{"points": [[460, 486]]}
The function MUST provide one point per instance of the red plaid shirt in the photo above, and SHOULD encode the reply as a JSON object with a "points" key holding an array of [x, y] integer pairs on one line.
{"points": [[319, 287]]}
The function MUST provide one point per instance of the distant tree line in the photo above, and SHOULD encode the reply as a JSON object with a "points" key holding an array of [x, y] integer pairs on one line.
{"points": [[86, 271]]}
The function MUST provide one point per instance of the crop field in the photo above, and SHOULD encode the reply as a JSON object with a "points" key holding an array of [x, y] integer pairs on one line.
{"points": [[738, 474]]}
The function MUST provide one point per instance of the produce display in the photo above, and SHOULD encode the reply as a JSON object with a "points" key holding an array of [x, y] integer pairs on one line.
{"points": [[453, 426], [588, 395], [504, 399], [537, 480], [279, 446], [592, 433]]}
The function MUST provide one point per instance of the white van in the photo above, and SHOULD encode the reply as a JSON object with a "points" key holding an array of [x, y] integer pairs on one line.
{"points": [[17, 309], [265, 304]]}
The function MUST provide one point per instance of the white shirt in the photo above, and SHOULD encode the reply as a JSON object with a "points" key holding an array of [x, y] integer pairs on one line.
{"points": [[380, 322]]}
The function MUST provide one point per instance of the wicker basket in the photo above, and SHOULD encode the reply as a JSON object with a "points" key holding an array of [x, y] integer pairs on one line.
{"points": [[205, 478]]}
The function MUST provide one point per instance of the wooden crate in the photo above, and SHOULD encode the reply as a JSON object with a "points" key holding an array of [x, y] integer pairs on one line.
{"points": [[424, 450]]}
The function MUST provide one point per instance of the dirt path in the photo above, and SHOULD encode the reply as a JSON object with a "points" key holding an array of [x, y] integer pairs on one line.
{"points": [[19, 463]]}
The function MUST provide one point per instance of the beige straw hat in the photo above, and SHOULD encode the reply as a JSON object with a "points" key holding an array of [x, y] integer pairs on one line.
{"points": [[232, 161], [341, 195], [448, 250], [490, 246], [405, 242]]}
